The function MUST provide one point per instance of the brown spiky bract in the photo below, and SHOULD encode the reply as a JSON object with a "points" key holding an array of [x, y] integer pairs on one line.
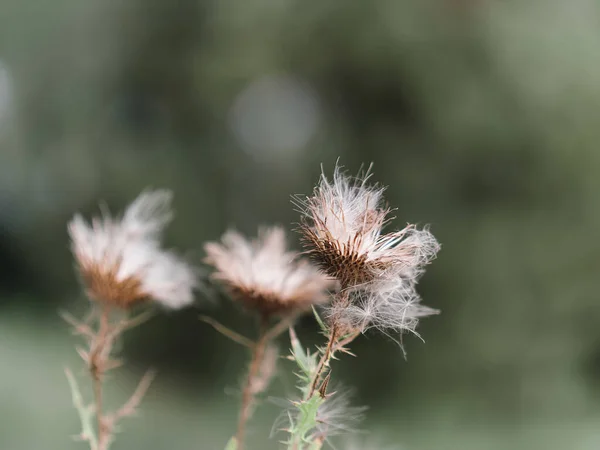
{"points": [[339, 260]]}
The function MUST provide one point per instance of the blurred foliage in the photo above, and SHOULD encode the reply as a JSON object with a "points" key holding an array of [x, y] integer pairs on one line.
{"points": [[481, 117]]}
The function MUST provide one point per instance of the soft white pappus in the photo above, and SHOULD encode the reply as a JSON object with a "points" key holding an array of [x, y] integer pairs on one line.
{"points": [[121, 260], [337, 415], [149, 213], [342, 225], [397, 310], [265, 275], [339, 210], [171, 280]]}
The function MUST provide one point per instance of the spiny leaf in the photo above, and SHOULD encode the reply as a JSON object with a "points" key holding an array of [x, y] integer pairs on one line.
{"points": [[306, 420], [303, 421], [306, 361], [322, 325]]}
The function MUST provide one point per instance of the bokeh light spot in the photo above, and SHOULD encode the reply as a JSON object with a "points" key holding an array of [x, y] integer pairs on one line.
{"points": [[275, 115]]}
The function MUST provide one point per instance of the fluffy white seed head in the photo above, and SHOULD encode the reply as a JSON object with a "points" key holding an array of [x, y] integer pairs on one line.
{"points": [[342, 225], [121, 260], [337, 415], [264, 275]]}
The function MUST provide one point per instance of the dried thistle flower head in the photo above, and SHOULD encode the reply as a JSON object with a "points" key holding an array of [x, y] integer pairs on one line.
{"points": [[121, 261], [342, 226], [264, 275], [343, 231]]}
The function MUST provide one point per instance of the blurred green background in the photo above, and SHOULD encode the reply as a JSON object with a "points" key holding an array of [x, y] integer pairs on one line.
{"points": [[481, 116]]}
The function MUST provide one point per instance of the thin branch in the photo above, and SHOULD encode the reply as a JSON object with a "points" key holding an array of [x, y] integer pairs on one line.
{"points": [[130, 407], [128, 323], [79, 327], [339, 346], [324, 361], [333, 345], [280, 327], [227, 332]]}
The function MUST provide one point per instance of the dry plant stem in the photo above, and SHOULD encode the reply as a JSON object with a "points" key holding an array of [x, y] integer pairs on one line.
{"points": [[266, 335], [97, 359], [258, 351], [282, 326], [130, 407], [324, 361], [99, 362], [235, 337], [332, 344]]}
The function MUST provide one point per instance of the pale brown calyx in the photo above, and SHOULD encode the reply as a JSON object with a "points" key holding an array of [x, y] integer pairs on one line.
{"points": [[104, 286], [264, 276], [270, 304]]}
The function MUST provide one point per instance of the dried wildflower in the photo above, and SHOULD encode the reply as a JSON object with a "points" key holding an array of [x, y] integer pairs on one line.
{"points": [[342, 226], [121, 261], [264, 275]]}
